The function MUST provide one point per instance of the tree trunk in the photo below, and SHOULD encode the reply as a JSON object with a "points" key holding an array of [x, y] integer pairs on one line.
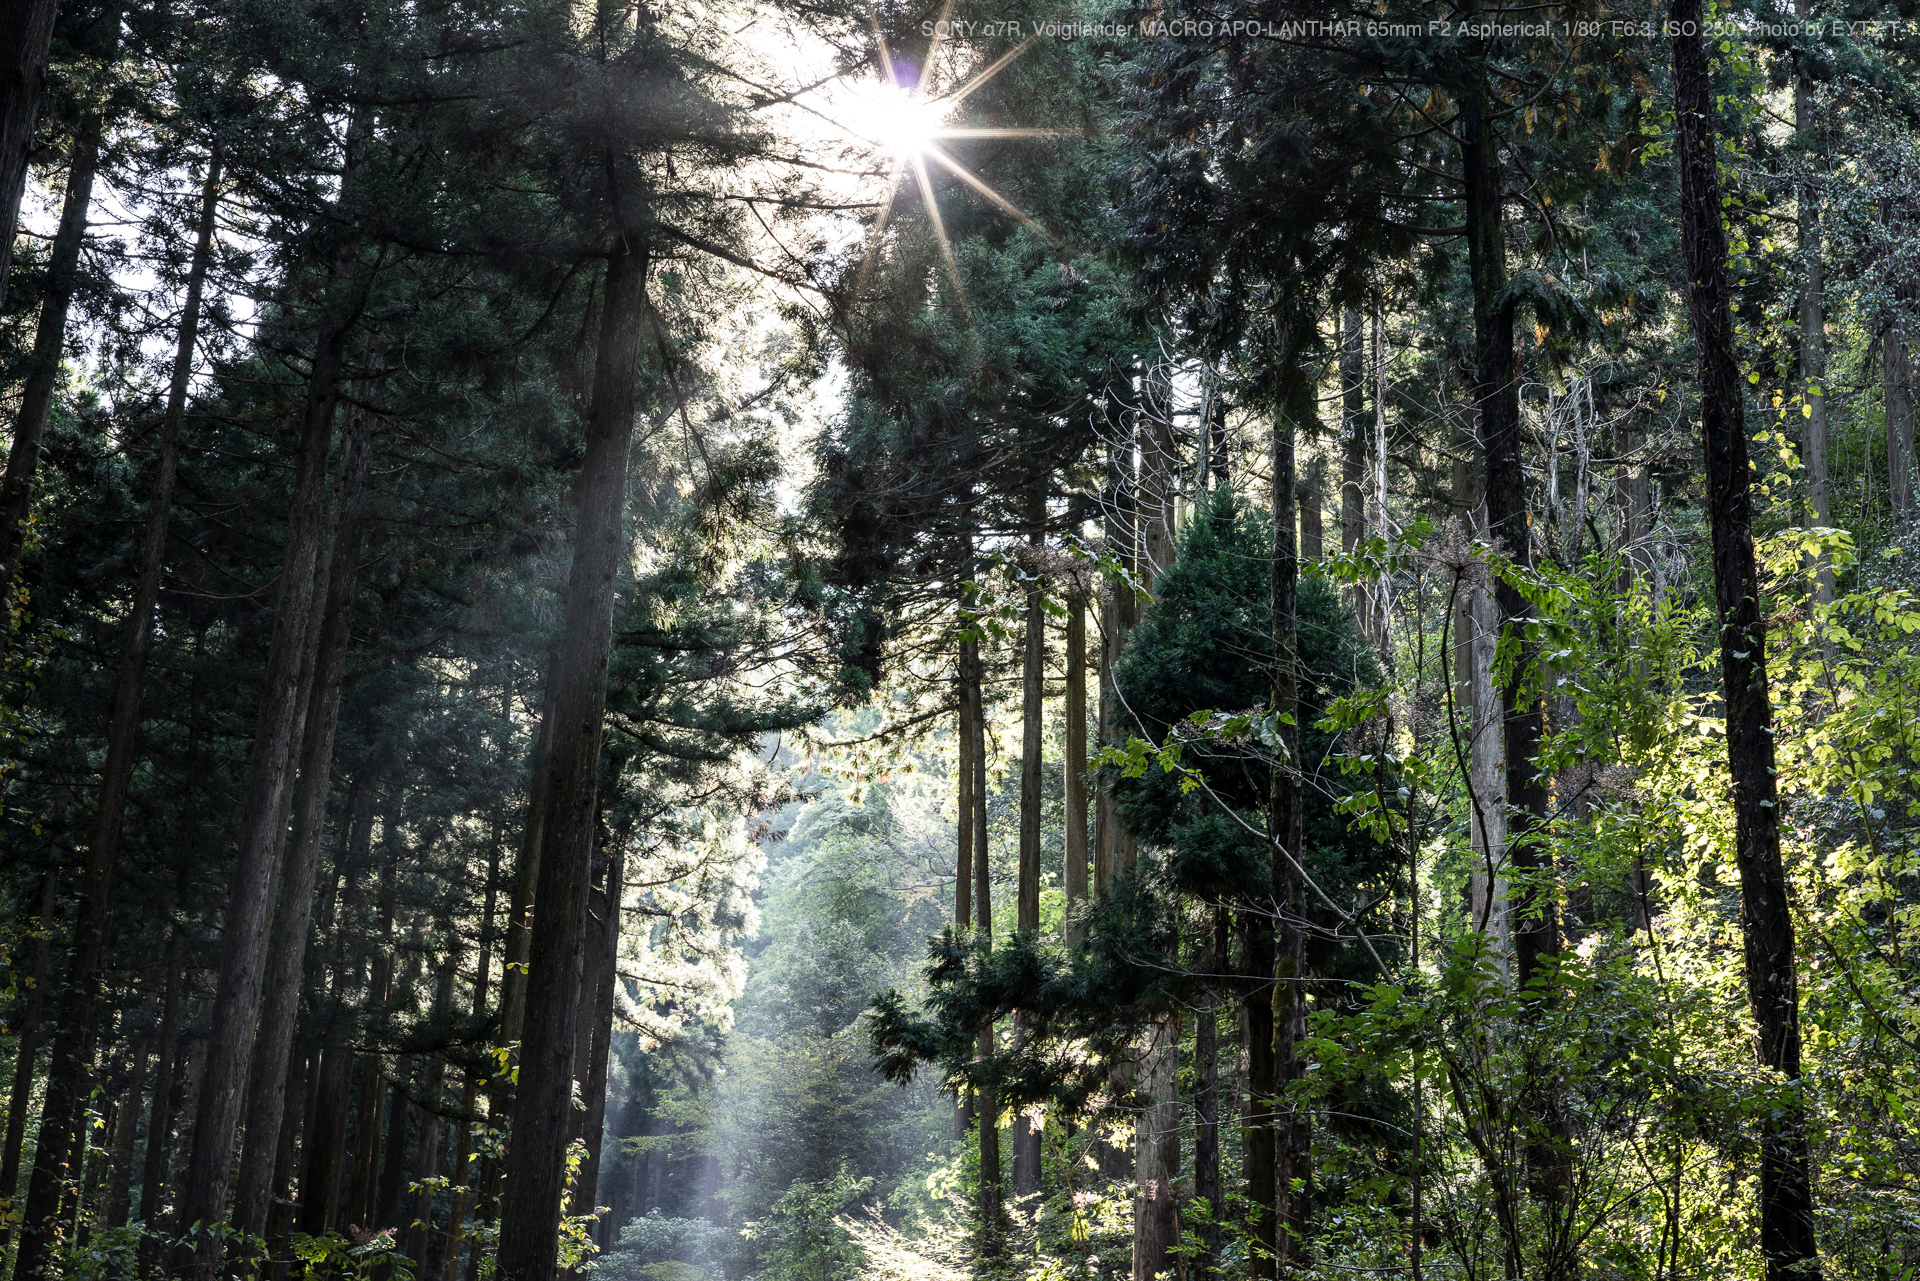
{"points": [[1291, 1131], [1535, 929], [606, 966], [1481, 724], [426, 1153], [278, 728], [280, 1007], [1206, 1106], [1786, 1195], [126, 1115], [577, 693], [1156, 1222], [326, 1147], [1074, 874], [31, 1026], [1033, 671], [963, 803], [1312, 525], [393, 1152], [49, 345], [463, 1155], [987, 1103], [1896, 384], [160, 1121], [72, 1048], [363, 1208], [1119, 609], [26, 32], [1813, 322]]}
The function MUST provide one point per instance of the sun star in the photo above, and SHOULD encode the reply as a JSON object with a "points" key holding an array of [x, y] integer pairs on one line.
{"points": [[900, 119]]}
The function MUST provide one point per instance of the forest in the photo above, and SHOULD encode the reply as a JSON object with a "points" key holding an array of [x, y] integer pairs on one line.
{"points": [[904, 640]]}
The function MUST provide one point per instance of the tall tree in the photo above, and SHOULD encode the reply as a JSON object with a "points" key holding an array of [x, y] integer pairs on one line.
{"points": [[1786, 1193]]}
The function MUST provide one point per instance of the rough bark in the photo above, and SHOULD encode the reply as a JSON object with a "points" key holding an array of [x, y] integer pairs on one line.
{"points": [[160, 1121], [72, 1048], [1156, 1220], [1291, 1132], [1074, 874], [606, 965], [49, 345], [326, 1148], [126, 1114], [1026, 1135], [278, 728], [986, 1103], [426, 1153], [463, 1152], [280, 1007], [1206, 1106], [1119, 610], [393, 1150], [1813, 322], [26, 32], [1480, 720], [1497, 394], [1786, 1198], [576, 702]]}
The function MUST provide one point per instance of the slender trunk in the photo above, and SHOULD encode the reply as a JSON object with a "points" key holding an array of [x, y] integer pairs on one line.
{"points": [[987, 1102], [463, 1157], [31, 1024], [49, 345], [1353, 441], [362, 1209], [125, 1121], [160, 1121], [326, 1148], [1206, 1106], [1156, 1223], [1896, 387], [1312, 525], [1159, 477], [26, 32], [1786, 1194], [1075, 872], [193, 1070], [280, 1006], [426, 1154], [1291, 1133], [1813, 322], [1481, 723], [963, 802], [606, 964], [278, 729], [576, 702], [1026, 1135], [1119, 609], [66, 1084], [393, 1149], [1535, 931], [297, 1109]]}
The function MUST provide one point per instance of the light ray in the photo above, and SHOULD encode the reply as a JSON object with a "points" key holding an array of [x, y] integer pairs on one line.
{"points": [[878, 232], [965, 175], [940, 235], [961, 94], [933, 49]]}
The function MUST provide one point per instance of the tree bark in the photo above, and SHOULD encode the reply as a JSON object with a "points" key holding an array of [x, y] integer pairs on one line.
{"points": [[125, 1121], [49, 345], [986, 1102], [72, 1049], [1291, 1131], [1074, 874], [278, 728], [326, 1147], [393, 1152], [606, 966], [577, 692], [463, 1155], [1786, 1196], [160, 1121], [1033, 670], [1156, 1221], [274, 1045], [1206, 1106], [1119, 609], [26, 32], [1497, 392], [426, 1153], [32, 1031], [1813, 322]]}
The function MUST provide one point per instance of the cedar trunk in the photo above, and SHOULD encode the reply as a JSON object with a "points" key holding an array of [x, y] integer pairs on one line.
{"points": [[49, 344], [1291, 1132], [1074, 876], [1026, 1136], [26, 31], [281, 1001], [576, 702], [1786, 1196]]}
